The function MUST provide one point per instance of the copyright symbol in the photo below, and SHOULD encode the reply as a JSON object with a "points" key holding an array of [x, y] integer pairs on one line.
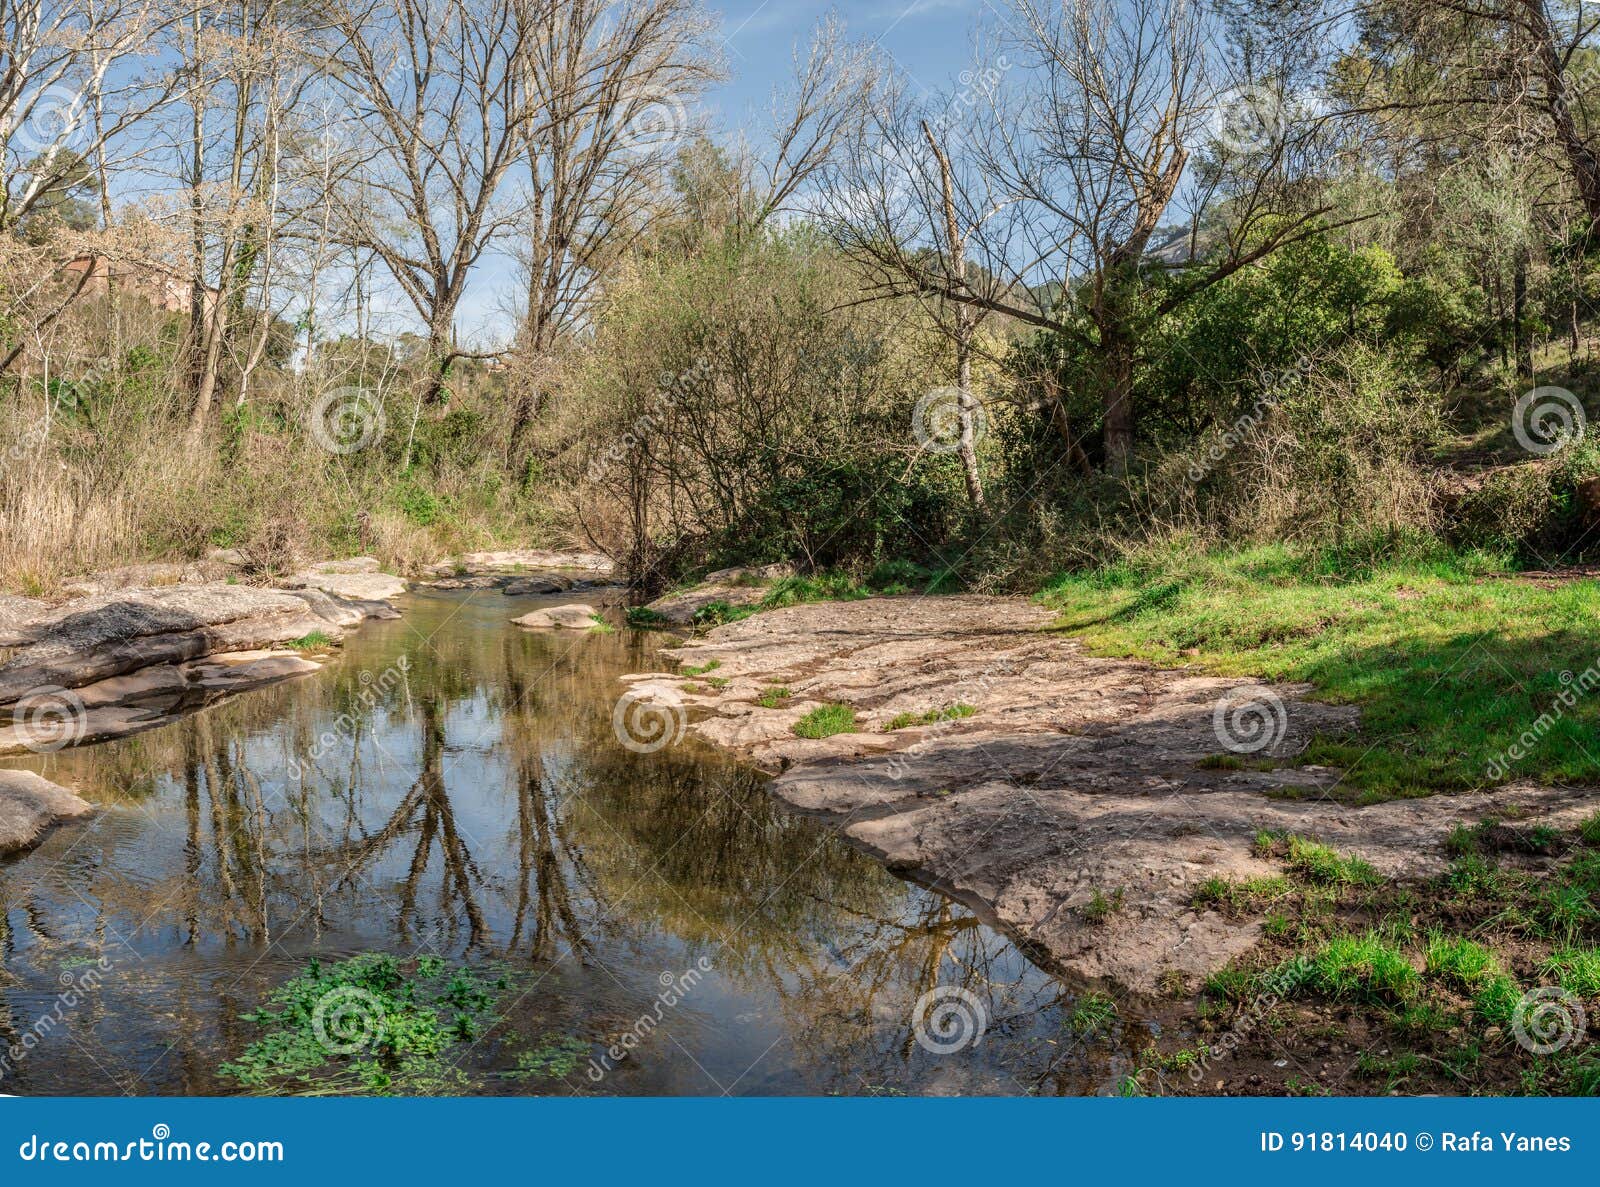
{"points": [[1424, 1141]]}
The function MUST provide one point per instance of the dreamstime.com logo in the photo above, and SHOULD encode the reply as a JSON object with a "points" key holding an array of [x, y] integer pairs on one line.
{"points": [[158, 1147], [1547, 418], [936, 420], [1548, 1019], [1249, 719], [647, 720], [948, 1019], [49, 718]]}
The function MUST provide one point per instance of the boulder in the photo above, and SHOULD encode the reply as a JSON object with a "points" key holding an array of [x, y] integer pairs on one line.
{"points": [[575, 617], [349, 579], [544, 583], [110, 635], [343, 612], [30, 804], [16, 616]]}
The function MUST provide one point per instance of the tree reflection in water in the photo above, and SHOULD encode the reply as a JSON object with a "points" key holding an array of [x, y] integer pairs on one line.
{"points": [[479, 807]]}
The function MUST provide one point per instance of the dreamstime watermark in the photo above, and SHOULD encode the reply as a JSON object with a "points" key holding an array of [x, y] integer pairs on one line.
{"points": [[656, 120], [936, 421], [979, 83], [1573, 688], [1547, 418], [373, 688], [1276, 385], [1250, 118], [76, 985], [649, 719], [1249, 719], [54, 119], [948, 1019], [49, 718], [347, 1019], [1274, 988], [1548, 1019], [346, 420], [674, 988], [670, 390]]}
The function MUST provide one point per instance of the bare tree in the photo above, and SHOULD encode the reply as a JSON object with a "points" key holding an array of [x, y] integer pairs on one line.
{"points": [[439, 107], [1059, 164], [610, 85]]}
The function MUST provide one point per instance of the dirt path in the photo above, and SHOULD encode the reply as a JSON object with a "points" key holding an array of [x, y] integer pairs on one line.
{"points": [[1072, 802]]}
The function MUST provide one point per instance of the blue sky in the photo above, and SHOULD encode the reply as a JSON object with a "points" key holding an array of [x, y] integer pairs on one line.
{"points": [[931, 40]]}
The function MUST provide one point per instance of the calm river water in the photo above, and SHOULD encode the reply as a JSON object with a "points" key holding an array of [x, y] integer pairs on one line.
{"points": [[461, 793]]}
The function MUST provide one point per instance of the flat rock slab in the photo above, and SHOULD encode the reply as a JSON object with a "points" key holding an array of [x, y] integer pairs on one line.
{"points": [[575, 617], [29, 805], [1076, 776], [474, 563], [141, 700], [157, 574], [357, 579]]}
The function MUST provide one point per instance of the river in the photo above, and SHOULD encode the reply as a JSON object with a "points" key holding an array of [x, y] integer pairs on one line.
{"points": [[451, 786]]}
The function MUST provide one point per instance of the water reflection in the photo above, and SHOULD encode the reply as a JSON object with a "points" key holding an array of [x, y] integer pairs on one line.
{"points": [[460, 793]]}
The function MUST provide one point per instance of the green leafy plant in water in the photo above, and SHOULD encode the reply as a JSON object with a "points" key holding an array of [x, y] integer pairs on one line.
{"points": [[555, 1058], [367, 1024]]}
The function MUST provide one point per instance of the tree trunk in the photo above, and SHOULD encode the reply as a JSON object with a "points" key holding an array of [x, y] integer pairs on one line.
{"points": [[1519, 326], [1581, 158], [1117, 425], [966, 412]]}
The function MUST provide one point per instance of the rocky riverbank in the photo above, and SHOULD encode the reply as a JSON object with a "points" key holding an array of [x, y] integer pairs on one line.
{"points": [[134, 648], [1082, 800]]}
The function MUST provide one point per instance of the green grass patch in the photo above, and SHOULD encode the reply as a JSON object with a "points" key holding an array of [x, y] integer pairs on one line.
{"points": [[1362, 968], [601, 626], [1101, 907], [555, 1058], [1589, 830], [1450, 662], [710, 665], [826, 720], [1577, 970], [1462, 963], [1092, 1012], [1320, 864], [643, 618], [955, 712], [315, 641], [773, 696]]}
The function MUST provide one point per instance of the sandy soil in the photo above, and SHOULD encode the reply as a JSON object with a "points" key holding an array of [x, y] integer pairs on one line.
{"points": [[1076, 785]]}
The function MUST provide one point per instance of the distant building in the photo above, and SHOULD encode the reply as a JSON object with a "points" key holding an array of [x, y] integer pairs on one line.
{"points": [[155, 282]]}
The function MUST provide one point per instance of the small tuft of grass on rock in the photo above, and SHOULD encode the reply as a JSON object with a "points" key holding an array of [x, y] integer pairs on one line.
{"points": [[315, 641], [773, 696], [701, 669], [932, 717], [826, 720]]}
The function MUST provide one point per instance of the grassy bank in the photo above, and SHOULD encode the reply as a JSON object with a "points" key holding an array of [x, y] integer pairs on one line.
{"points": [[1471, 982], [1459, 666]]}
